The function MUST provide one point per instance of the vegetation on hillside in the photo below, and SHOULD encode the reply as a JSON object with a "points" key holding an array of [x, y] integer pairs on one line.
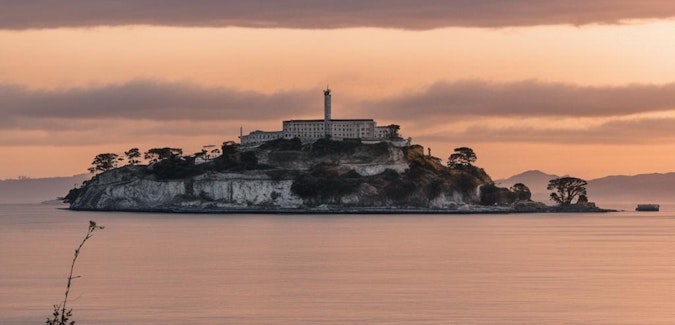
{"points": [[327, 180]]}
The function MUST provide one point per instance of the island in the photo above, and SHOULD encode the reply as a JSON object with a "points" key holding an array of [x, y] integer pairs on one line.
{"points": [[311, 166]]}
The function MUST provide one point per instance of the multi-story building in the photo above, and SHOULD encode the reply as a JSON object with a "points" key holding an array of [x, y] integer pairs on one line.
{"points": [[311, 130]]}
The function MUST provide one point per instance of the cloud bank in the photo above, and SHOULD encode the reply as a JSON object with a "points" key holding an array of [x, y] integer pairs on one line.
{"points": [[616, 132], [526, 98], [152, 100], [162, 100], [323, 14], [145, 109]]}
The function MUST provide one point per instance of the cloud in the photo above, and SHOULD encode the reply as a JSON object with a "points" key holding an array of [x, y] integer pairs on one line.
{"points": [[442, 101], [149, 100], [452, 100], [116, 132], [313, 14], [614, 132], [526, 111]]}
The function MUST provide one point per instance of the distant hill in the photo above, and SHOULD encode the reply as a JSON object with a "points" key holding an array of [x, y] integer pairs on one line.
{"points": [[643, 188], [36, 190], [534, 179]]}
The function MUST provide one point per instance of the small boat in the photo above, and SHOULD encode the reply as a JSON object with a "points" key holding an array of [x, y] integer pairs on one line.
{"points": [[647, 207]]}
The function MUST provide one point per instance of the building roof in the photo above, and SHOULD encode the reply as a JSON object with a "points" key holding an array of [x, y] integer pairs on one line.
{"points": [[258, 131], [333, 120]]}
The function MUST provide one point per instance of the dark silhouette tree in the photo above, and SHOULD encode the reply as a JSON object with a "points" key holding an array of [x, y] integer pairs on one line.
{"points": [[207, 151], [157, 154], [203, 154], [567, 189], [462, 157], [133, 156], [104, 162], [214, 153], [393, 130], [229, 147], [521, 192]]}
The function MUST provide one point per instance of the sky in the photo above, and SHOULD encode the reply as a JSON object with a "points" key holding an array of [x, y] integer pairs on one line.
{"points": [[581, 88]]}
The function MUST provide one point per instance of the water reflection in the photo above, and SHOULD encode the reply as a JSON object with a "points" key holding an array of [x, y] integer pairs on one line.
{"points": [[254, 269]]}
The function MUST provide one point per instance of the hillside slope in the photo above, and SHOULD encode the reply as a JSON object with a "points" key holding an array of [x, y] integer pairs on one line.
{"points": [[285, 174]]}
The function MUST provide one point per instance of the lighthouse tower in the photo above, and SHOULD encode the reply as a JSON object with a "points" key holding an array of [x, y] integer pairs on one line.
{"points": [[326, 112]]}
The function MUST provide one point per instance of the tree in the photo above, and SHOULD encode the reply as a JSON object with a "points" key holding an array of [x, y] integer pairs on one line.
{"points": [[132, 156], [202, 154], [156, 154], [206, 150], [462, 157], [229, 147], [567, 189], [490, 194], [104, 162], [522, 192], [215, 152], [393, 130]]}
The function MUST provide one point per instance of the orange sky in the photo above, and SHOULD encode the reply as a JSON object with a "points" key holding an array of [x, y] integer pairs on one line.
{"points": [[67, 91]]}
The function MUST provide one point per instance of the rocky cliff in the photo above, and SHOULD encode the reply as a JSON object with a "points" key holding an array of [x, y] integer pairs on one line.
{"points": [[286, 175]]}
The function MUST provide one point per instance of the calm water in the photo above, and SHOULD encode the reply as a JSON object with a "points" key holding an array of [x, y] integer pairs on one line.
{"points": [[398, 269]]}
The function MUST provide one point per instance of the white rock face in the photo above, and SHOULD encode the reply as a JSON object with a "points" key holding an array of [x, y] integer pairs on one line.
{"points": [[232, 190], [127, 195], [443, 201], [134, 188], [244, 190], [394, 160], [372, 170]]}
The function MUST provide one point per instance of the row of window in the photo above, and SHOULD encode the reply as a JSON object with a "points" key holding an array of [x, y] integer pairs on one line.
{"points": [[307, 135], [305, 132], [343, 128]]}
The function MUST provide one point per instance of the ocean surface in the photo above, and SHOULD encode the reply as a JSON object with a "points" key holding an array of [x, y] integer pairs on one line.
{"points": [[613, 268]]}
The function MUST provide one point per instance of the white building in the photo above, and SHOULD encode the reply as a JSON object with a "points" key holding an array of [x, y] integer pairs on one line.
{"points": [[259, 137], [311, 130]]}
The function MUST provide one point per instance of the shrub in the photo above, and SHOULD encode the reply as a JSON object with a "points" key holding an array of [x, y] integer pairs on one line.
{"points": [[464, 182], [435, 188], [248, 160], [324, 182], [61, 314], [306, 186], [490, 194], [399, 189], [283, 145], [323, 147], [390, 174], [175, 169], [352, 174]]}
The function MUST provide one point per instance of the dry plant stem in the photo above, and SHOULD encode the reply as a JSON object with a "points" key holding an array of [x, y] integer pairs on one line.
{"points": [[90, 233]]}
